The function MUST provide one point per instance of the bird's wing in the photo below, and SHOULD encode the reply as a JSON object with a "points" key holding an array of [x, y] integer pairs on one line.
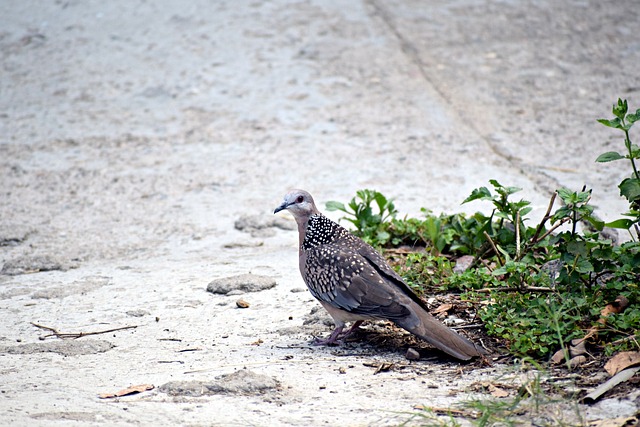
{"points": [[348, 281]]}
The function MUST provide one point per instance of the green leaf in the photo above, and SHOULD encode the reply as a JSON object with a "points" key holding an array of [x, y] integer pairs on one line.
{"points": [[596, 223], [584, 266], [614, 123], [621, 109], [577, 247], [622, 223], [524, 212], [481, 193], [630, 189], [565, 194], [609, 156], [335, 206]]}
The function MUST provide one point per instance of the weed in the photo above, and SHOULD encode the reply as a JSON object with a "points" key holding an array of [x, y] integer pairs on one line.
{"points": [[537, 287]]}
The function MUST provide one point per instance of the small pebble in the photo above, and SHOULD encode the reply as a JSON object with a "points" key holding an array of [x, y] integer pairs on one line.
{"points": [[412, 354], [242, 303]]}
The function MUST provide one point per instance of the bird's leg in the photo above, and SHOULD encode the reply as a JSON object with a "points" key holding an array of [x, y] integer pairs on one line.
{"points": [[337, 335], [333, 338], [352, 329]]}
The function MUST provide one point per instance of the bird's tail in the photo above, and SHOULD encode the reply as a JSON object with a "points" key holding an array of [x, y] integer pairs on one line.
{"points": [[430, 329]]}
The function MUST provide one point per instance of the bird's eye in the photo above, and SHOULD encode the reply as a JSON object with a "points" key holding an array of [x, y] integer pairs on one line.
{"points": [[300, 199]]}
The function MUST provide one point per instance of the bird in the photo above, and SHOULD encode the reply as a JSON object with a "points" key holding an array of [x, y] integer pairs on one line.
{"points": [[354, 283]]}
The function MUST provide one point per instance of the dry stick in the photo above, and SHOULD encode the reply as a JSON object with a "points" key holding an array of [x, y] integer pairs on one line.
{"points": [[508, 288], [625, 339], [63, 335], [545, 218], [518, 235], [493, 245], [552, 229], [486, 264]]}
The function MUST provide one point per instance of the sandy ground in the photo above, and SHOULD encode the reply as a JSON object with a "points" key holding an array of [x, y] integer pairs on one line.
{"points": [[133, 136]]}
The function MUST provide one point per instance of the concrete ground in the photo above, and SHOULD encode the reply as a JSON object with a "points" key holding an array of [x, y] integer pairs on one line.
{"points": [[133, 135]]}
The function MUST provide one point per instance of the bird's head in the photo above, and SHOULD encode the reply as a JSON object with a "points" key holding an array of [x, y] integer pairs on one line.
{"points": [[299, 203]]}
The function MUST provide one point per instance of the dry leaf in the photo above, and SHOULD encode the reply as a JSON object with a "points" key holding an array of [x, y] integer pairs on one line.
{"points": [[443, 309], [577, 361], [622, 361], [558, 357], [497, 391], [242, 303], [127, 391], [614, 422]]}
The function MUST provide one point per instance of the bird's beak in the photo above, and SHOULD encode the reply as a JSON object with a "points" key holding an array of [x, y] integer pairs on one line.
{"points": [[282, 207]]}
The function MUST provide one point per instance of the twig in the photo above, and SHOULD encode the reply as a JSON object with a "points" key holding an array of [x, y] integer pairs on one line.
{"points": [[473, 326], [625, 339], [518, 235], [486, 264], [74, 335], [448, 411], [552, 229], [493, 245], [508, 288]]}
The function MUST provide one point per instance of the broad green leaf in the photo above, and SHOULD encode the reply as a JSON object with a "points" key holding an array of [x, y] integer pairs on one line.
{"points": [[565, 194], [609, 157], [381, 201], [524, 212], [335, 206], [622, 223], [596, 223], [613, 123], [577, 247], [481, 193], [630, 189], [584, 266]]}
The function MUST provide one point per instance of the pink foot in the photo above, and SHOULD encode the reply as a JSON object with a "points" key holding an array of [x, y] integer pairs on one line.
{"points": [[337, 335]]}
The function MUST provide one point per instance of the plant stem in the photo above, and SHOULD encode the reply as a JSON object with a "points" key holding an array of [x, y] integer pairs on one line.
{"points": [[627, 142]]}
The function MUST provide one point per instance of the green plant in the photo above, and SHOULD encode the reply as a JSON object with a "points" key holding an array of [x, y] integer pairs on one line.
{"points": [[629, 187], [370, 225], [536, 287]]}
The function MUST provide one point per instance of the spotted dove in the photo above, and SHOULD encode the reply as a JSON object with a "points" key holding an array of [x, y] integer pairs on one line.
{"points": [[353, 282]]}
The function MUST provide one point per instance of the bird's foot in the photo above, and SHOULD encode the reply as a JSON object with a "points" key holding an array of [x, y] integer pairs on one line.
{"points": [[333, 338], [337, 336]]}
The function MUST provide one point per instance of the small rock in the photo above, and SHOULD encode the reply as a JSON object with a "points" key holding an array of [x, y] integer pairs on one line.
{"points": [[253, 223], [242, 382], [463, 263], [65, 348], [412, 354], [242, 303], [138, 313], [13, 234], [31, 264], [244, 282]]}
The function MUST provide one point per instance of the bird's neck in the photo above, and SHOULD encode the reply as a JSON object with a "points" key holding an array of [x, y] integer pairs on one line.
{"points": [[317, 230]]}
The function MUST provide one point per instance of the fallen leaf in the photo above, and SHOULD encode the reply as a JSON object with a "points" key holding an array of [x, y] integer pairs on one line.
{"points": [[242, 303], [443, 309], [622, 361], [577, 361], [497, 391], [134, 389], [615, 422], [558, 357]]}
